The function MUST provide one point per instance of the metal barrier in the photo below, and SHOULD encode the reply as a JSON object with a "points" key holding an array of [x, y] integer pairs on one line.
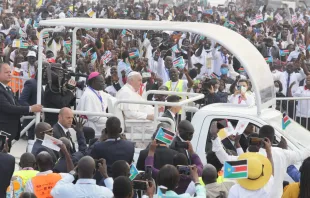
{"points": [[17, 84], [289, 106]]}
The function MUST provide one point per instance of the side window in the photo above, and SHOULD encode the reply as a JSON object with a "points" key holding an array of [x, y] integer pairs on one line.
{"points": [[228, 141]]}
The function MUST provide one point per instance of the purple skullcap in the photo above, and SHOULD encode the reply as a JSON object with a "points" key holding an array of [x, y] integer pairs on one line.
{"points": [[93, 75]]}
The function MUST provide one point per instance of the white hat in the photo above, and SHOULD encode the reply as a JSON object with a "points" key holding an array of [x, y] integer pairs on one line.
{"points": [[62, 15], [133, 73], [31, 53]]}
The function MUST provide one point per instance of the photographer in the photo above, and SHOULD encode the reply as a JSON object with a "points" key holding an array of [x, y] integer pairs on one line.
{"points": [[180, 162], [169, 177], [59, 93], [85, 185]]}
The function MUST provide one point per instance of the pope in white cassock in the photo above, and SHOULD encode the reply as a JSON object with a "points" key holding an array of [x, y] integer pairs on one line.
{"points": [[94, 100], [135, 111]]}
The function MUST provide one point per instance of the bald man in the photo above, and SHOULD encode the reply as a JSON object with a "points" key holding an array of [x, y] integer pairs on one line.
{"points": [[27, 171], [65, 119], [40, 130], [45, 180], [85, 186]]}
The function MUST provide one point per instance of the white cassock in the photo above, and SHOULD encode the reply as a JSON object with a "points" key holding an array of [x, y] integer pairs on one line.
{"points": [[90, 101], [133, 111]]}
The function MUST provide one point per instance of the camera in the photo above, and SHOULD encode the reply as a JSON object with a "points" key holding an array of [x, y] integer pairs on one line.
{"points": [[181, 145], [255, 141], [139, 185], [184, 170]]}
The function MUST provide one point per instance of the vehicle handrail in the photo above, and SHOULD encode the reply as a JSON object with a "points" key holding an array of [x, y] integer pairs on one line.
{"points": [[293, 98], [51, 110], [171, 122], [170, 93]]}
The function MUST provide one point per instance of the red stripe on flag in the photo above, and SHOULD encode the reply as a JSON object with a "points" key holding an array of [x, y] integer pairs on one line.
{"points": [[169, 137], [285, 119], [240, 168]]}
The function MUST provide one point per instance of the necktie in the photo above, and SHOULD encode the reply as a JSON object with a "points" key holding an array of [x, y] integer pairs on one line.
{"points": [[8, 89], [69, 137], [288, 84]]}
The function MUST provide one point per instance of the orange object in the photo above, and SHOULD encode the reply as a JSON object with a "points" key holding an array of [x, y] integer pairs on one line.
{"points": [[16, 84], [43, 184]]}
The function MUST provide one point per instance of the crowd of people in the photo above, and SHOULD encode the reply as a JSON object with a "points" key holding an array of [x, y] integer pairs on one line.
{"points": [[95, 157]]}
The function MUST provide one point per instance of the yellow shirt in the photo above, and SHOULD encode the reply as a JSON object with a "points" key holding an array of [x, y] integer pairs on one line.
{"points": [[291, 191]]}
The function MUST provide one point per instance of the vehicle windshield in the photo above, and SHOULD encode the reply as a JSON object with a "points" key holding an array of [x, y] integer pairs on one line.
{"points": [[294, 131]]}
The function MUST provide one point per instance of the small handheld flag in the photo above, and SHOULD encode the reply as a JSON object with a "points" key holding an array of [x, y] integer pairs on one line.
{"points": [[90, 12], [107, 56], [133, 172], [126, 32], [214, 75], [231, 23], [269, 59], [164, 136], [285, 121], [208, 11], [241, 70], [259, 19], [46, 35], [19, 43], [236, 169], [175, 49], [134, 54], [179, 62], [284, 52], [69, 14]]}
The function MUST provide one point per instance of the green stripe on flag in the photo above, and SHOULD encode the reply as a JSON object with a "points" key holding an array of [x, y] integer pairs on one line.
{"points": [[237, 175], [164, 140]]}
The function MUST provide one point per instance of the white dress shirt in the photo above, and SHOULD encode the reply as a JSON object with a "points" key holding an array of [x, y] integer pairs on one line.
{"points": [[29, 186], [281, 160], [133, 111], [250, 101], [83, 188], [295, 77], [237, 191], [277, 75], [303, 106]]}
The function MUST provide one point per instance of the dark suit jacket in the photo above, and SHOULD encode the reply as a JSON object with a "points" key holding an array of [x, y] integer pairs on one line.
{"points": [[37, 148], [228, 145], [162, 156], [61, 166], [179, 150], [10, 113], [57, 101], [7, 166], [58, 132], [113, 151], [167, 114], [29, 94], [244, 143]]}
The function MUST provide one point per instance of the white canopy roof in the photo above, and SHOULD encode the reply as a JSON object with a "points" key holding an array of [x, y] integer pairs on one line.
{"points": [[253, 62]]}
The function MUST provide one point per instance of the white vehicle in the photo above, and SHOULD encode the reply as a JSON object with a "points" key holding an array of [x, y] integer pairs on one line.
{"points": [[253, 62]]}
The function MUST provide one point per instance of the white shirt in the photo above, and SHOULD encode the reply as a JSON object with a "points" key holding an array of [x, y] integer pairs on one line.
{"points": [[133, 111], [111, 90], [83, 188], [162, 71], [281, 160], [250, 101], [295, 77], [237, 191], [27, 72], [277, 75], [303, 106], [219, 60], [91, 102], [29, 186]]}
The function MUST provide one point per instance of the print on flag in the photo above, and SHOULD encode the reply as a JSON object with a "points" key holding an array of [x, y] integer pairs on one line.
{"points": [[90, 12], [284, 52], [269, 59], [236, 169], [214, 75], [164, 136], [133, 172], [285, 121], [134, 54], [175, 49], [179, 62], [106, 57]]}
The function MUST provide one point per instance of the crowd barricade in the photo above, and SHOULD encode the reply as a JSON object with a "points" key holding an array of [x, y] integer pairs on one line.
{"points": [[288, 105]]}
